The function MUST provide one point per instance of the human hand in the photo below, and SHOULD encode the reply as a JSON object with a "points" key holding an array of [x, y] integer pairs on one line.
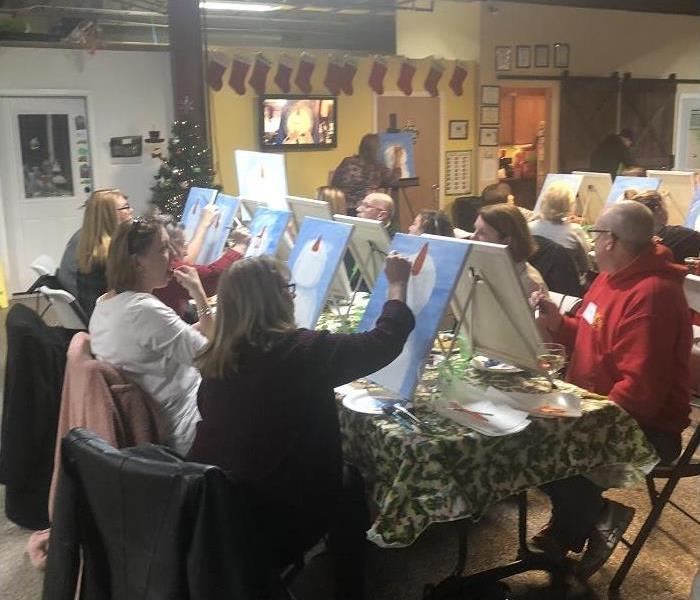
{"points": [[239, 237], [208, 213], [546, 312], [397, 268], [188, 278]]}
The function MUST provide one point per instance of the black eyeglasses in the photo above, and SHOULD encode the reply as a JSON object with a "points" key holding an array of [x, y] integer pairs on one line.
{"points": [[291, 287], [599, 231]]}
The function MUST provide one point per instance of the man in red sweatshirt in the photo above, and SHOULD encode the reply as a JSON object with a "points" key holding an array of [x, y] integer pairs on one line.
{"points": [[631, 341]]}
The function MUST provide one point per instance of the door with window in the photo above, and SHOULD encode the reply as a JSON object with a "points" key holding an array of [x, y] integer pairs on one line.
{"points": [[46, 176]]}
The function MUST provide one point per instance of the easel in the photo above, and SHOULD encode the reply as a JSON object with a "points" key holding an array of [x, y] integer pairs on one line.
{"points": [[398, 192], [587, 202]]}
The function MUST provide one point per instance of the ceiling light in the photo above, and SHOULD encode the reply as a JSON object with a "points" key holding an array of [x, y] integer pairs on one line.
{"points": [[239, 6]]}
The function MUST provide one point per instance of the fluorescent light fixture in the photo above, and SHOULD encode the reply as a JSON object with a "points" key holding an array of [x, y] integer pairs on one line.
{"points": [[239, 6]]}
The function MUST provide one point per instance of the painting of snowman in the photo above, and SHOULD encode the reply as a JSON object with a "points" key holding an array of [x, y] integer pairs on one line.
{"points": [[428, 293], [266, 231], [197, 198], [623, 184], [218, 232], [262, 177], [315, 258]]}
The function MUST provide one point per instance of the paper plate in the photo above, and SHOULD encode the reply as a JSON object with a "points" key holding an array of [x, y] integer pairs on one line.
{"points": [[362, 402], [482, 363], [550, 405]]}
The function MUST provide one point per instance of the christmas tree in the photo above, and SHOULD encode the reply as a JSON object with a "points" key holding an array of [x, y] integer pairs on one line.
{"points": [[188, 164]]}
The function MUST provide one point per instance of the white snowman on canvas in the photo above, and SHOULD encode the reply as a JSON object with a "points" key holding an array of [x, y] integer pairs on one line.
{"points": [[420, 288], [306, 275]]}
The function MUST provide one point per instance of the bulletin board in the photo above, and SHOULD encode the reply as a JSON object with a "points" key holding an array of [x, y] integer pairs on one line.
{"points": [[458, 173]]}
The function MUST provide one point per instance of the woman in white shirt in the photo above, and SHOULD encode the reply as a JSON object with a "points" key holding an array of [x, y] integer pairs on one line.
{"points": [[554, 210], [134, 331], [505, 224]]}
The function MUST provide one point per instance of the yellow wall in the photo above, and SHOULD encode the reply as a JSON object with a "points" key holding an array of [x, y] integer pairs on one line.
{"points": [[235, 120]]}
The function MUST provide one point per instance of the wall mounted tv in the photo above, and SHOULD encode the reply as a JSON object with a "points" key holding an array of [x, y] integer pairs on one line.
{"points": [[297, 122]]}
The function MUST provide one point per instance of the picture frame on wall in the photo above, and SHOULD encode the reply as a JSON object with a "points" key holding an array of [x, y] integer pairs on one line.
{"points": [[491, 95], [504, 58], [489, 115], [488, 136], [458, 130], [541, 56], [523, 57], [561, 56]]}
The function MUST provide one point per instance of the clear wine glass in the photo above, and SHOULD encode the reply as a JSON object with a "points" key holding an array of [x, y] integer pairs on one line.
{"points": [[551, 357]]}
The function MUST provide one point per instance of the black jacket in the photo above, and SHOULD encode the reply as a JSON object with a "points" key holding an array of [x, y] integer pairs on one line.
{"points": [[557, 267], [610, 154], [150, 526], [36, 362]]}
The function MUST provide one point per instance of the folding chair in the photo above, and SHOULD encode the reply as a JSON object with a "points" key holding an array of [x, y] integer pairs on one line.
{"points": [[66, 308], [685, 466]]}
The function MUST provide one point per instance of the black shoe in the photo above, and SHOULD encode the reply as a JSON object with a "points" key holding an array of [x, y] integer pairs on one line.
{"points": [[608, 531]]}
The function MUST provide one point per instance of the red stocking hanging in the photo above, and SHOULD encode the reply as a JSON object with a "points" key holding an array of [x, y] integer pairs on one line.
{"points": [[307, 62], [258, 78], [376, 75], [433, 77], [406, 73], [284, 73], [349, 70], [215, 70], [334, 74], [239, 71], [458, 77]]}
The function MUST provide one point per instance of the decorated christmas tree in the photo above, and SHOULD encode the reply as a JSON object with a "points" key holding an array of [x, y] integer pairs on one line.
{"points": [[187, 165]]}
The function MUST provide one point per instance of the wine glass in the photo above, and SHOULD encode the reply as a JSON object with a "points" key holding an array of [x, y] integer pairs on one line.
{"points": [[551, 357]]}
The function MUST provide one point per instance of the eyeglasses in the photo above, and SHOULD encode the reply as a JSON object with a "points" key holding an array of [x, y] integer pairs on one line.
{"points": [[291, 287], [596, 233]]}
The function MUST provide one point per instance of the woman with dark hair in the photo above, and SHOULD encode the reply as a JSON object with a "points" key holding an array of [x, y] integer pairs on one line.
{"points": [[134, 331], [269, 414], [505, 224], [434, 222], [363, 173]]}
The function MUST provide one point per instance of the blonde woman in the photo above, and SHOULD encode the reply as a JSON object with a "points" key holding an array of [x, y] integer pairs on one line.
{"points": [[104, 211], [269, 415], [335, 198], [555, 209]]}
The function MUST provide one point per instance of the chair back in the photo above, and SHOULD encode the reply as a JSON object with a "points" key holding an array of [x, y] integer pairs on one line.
{"points": [[149, 525], [44, 265], [66, 308]]}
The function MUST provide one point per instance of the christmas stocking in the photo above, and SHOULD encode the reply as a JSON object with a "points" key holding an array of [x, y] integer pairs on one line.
{"points": [[258, 78], [406, 73], [458, 77], [376, 75], [215, 70], [284, 73], [307, 62], [349, 70], [433, 77], [334, 74], [239, 71]]}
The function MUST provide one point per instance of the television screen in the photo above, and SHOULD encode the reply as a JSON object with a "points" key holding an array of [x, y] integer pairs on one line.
{"points": [[298, 122]]}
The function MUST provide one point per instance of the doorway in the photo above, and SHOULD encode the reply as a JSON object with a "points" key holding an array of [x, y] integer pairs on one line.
{"points": [[420, 114], [46, 177]]}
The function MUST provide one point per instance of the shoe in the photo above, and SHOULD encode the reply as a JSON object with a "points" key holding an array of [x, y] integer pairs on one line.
{"points": [[608, 531]]}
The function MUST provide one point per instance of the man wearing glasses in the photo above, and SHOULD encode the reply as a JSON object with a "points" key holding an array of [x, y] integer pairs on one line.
{"points": [[378, 207], [631, 341]]}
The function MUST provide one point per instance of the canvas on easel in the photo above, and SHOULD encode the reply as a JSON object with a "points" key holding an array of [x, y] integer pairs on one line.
{"points": [[197, 199], [495, 313], [369, 245], [262, 176], [572, 182], [429, 291], [219, 230], [314, 261], [592, 195], [266, 231], [626, 184], [692, 221], [677, 188]]}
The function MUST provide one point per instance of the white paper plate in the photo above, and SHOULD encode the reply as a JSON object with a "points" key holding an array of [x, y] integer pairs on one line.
{"points": [[362, 402], [482, 363], [551, 405]]}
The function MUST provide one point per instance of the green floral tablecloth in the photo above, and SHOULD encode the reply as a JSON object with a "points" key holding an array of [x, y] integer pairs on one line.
{"points": [[455, 472]]}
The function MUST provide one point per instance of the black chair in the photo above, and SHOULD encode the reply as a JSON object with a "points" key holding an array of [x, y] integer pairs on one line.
{"points": [[150, 526], [685, 466], [36, 363], [557, 267]]}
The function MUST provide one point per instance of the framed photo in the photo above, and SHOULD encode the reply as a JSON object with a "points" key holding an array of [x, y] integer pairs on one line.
{"points": [[458, 130], [491, 95], [561, 55], [488, 136], [523, 57], [489, 115], [541, 56], [504, 58]]}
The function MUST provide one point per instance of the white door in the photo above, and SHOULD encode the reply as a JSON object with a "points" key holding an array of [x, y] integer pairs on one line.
{"points": [[688, 133], [46, 176]]}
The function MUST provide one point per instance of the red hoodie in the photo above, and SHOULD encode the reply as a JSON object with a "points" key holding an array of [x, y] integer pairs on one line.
{"points": [[631, 340]]}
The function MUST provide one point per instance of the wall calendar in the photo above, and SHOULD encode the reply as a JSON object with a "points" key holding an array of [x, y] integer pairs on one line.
{"points": [[458, 173]]}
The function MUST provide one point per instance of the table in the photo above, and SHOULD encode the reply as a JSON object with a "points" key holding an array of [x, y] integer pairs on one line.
{"points": [[417, 480]]}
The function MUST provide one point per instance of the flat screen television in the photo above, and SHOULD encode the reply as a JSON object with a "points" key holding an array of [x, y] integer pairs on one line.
{"points": [[297, 122]]}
